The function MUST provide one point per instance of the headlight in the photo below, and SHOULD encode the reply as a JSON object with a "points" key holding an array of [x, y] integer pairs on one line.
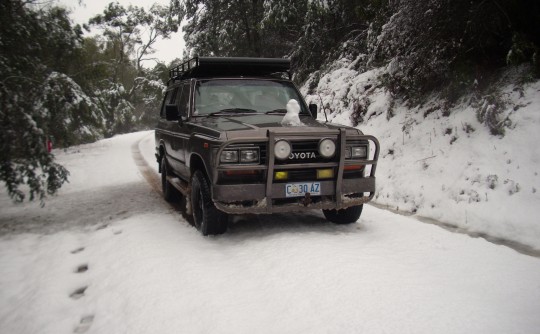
{"points": [[347, 152], [356, 152], [327, 148], [243, 155], [229, 156], [282, 149], [249, 155]]}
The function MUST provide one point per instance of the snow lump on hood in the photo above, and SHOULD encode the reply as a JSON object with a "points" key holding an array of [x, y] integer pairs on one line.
{"points": [[291, 118]]}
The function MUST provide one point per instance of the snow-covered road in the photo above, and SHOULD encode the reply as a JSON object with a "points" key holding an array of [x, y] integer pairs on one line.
{"points": [[108, 255]]}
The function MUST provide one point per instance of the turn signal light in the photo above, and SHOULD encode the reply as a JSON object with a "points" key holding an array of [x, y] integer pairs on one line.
{"points": [[325, 173]]}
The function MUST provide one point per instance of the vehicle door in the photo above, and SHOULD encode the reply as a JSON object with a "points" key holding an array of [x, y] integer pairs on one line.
{"points": [[172, 132], [183, 135], [165, 129]]}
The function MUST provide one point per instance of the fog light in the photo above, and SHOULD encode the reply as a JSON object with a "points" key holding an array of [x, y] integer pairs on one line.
{"points": [[325, 173], [282, 149], [279, 176], [327, 148]]}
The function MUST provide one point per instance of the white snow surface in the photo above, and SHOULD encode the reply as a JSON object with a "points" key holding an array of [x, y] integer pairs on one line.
{"points": [[442, 163], [149, 271]]}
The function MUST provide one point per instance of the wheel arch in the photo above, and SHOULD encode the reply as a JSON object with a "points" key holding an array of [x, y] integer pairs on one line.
{"points": [[196, 162]]}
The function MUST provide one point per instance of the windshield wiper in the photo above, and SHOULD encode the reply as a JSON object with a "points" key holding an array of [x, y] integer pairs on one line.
{"points": [[233, 111], [276, 111]]}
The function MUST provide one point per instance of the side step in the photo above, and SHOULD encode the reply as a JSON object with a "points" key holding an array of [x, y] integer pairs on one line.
{"points": [[180, 185], [184, 189]]}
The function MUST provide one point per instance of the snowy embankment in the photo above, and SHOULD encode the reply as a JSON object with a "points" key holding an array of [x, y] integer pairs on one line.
{"points": [[108, 255], [442, 163]]}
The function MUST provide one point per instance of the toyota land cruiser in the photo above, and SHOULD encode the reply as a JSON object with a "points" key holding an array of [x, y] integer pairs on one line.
{"points": [[235, 136]]}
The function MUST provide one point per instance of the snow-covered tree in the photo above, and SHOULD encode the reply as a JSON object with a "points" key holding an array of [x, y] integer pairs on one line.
{"points": [[29, 41], [135, 30], [129, 35], [248, 28], [72, 116], [224, 28], [436, 44], [420, 41]]}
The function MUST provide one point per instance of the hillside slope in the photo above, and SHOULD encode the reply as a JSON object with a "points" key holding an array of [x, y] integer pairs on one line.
{"points": [[442, 162]]}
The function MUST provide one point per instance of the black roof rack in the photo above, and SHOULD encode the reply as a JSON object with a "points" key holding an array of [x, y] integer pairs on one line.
{"points": [[229, 66]]}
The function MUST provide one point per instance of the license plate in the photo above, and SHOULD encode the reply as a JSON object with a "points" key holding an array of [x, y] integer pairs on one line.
{"points": [[300, 189]]}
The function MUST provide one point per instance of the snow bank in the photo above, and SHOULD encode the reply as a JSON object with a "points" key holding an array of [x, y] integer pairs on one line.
{"points": [[441, 162]]}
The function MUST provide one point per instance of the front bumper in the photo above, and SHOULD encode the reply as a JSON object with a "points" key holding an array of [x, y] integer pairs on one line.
{"points": [[270, 197]]}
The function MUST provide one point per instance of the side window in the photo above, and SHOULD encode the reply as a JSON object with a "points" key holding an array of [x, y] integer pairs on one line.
{"points": [[183, 102], [173, 95], [169, 98]]}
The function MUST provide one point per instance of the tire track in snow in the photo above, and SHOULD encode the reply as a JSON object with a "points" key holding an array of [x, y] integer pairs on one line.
{"points": [[151, 177]]}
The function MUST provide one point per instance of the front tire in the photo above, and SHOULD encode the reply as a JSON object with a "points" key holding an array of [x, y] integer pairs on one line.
{"points": [[344, 216], [207, 218]]}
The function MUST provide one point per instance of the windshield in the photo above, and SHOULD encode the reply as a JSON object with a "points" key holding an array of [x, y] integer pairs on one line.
{"points": [[244, 96]]}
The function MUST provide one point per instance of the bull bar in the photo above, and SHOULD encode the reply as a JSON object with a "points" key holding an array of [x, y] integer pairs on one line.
{"points": [[225, 197]]}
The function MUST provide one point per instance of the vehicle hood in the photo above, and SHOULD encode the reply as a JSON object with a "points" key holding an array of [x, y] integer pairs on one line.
{"points": [[257, 125]]}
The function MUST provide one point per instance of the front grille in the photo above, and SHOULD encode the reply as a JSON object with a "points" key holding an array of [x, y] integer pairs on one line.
{"points": [[263, 152]]}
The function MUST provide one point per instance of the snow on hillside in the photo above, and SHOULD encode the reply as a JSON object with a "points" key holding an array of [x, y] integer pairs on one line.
{"points": [[441, 162]]}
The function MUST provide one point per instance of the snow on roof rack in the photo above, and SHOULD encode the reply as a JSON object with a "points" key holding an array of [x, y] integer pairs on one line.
{"points": [[227, 66]]}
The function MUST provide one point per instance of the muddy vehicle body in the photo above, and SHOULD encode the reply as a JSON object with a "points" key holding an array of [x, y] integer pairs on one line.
{"points": [[235, 136]]}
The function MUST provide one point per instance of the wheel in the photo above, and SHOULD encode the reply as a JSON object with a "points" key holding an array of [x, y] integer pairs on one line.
{"points": [[169, 192], [207, 218], [344, 216]]}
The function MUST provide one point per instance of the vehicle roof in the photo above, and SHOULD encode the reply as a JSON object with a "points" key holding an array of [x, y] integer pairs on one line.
{"points": [[219, 67]]}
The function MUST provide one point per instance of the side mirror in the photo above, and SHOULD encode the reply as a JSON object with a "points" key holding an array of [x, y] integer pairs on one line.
{"points": [[313, 110], [171, 112]]}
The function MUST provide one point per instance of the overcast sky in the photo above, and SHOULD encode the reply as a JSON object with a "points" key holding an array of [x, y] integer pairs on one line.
{"points": [[166, 50]]}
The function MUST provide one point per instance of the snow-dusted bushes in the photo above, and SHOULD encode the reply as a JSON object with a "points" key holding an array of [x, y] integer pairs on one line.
{"points": [[448, 45], [420, 41], [118, 111], [72, 116]]}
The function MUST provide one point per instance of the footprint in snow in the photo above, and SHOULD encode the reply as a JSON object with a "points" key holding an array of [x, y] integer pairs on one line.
{"points": [[84, 324], [101, 227], [78, 250], [81, 268], [78, 293]]}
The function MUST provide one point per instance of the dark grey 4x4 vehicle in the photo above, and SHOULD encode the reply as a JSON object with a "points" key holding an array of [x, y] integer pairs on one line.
{"points": [[237, 137]]}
